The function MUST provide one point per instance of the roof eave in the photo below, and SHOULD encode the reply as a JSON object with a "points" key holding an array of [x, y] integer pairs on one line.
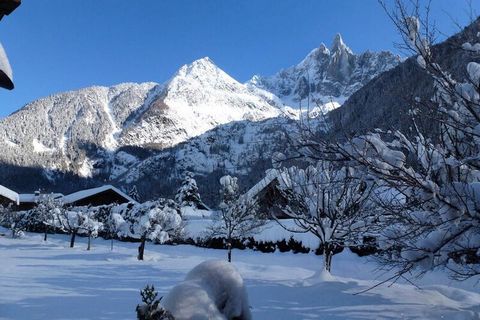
{"points": [[8, 6]]}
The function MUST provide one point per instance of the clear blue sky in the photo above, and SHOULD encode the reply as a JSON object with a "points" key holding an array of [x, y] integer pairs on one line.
{"points": [[61, 45]]}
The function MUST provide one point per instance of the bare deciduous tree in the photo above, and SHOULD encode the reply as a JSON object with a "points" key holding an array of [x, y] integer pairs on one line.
{"points": [[238, 217], [327, 201], [437, 222]]}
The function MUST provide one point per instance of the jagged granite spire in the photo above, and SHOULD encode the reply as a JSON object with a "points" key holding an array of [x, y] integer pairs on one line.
{"points": [[339, 46], [326, 75]]}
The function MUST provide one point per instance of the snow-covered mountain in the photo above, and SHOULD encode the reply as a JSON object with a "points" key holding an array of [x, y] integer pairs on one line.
{"points": [[328, 76], [199, 97], [58, 132], [200, 120]]}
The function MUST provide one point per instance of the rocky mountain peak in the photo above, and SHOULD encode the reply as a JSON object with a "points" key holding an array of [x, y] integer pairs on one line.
{"points": [[201, 73], [339, 46], [326, 76], [202, 65]]}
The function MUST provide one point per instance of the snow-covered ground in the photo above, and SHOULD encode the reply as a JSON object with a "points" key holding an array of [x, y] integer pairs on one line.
{"points": [[51, 281]]}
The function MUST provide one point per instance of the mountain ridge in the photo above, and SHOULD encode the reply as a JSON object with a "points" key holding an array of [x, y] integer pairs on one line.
{"points": [[104, 134]]}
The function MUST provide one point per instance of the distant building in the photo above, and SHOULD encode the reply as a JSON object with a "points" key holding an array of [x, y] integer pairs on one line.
{"points": [[272, 200], [28, 201], [8, 197], [103, 195]]}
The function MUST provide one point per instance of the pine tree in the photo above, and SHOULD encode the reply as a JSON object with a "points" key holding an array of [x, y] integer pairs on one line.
{"points": [[188, 195], [151, 309], [133, 193]]}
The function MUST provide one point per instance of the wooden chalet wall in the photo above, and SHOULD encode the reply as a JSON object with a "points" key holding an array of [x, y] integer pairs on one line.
{"points": [[5, 202], [271, 201]]}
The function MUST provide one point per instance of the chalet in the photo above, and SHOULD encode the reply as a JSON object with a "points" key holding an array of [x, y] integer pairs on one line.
{"points": [[103, 195], [8, 197], [271, 199], [22, 201], [28, 201]]}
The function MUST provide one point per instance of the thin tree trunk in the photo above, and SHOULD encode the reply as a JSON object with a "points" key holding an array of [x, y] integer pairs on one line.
{"points": [[45, 233], [327, 258], [89, 241], [229, 252], [72, 239], [14, 230], [141, 248]]}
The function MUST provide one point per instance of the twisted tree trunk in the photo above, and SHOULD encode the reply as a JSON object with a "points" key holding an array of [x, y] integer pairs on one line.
{"points": [[327, 257]]}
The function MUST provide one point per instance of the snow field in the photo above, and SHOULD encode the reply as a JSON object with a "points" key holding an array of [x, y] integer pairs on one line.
{"points": [[51, 281]]}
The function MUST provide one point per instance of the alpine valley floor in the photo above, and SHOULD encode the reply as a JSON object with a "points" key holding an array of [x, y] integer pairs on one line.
{"points": [[48, 280]]}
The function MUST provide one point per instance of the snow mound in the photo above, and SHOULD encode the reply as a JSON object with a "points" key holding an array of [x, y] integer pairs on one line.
{"points": [[318, 277], [212, 290]]}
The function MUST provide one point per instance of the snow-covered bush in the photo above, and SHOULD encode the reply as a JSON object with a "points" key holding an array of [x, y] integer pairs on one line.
{"points": [[114, 225], [238, 216], [156, 221], [42, 216], [16, 221], [213, 290], [78, 220]]}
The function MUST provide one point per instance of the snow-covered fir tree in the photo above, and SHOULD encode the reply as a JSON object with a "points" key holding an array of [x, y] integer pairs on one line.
{"points": [[133, 193], [188, 195]]}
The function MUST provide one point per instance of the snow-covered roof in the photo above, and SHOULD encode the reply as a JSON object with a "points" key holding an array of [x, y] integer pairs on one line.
{"points": [[262, 184], [32, 197], [23, 197], [9, 194], [76, 196]]}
